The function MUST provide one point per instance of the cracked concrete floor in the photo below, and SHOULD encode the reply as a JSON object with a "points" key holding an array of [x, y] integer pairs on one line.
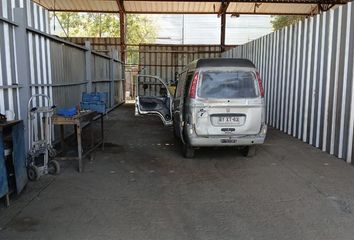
{"points": [[141, 188]]}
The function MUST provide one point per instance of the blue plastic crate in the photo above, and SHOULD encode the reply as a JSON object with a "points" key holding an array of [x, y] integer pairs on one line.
{"points": [[67, 112], [99, 107], [95, 97], [85, 105], [87, 97], [103, 97]]}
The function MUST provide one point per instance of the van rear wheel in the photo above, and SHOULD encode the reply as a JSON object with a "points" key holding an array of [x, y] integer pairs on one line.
{"points": [[249, 151], [188, 151]]}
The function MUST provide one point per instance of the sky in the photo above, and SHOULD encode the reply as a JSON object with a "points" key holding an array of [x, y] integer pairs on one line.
{"points": [[205, 29]]}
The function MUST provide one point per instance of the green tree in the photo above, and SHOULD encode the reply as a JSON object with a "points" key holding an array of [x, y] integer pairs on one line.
{"points": [[279, 22], [70, 22], [140, 29]]}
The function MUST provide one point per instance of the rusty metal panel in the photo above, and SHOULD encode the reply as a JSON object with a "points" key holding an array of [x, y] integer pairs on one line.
{"points": [[166, 61]]}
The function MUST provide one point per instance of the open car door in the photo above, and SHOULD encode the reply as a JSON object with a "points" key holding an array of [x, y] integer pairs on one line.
{"points": [[153, 97]]}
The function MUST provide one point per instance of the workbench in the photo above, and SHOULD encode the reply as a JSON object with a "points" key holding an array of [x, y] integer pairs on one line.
{"points": [[80, 121], [13, 172]]}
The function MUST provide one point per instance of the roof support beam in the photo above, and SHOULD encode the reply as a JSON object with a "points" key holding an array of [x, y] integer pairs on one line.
{"points": [[256, 1], [223, 8], [222, 13], [122, 35], [176, 13], [120, 4], [122, 15], [223, 30]]}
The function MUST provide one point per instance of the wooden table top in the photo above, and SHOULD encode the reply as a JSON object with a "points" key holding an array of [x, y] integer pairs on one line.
{"points": [[82, 116]]}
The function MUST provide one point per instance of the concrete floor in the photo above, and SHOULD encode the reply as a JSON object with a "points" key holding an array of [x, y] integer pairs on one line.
{"points": [[142, 188]]}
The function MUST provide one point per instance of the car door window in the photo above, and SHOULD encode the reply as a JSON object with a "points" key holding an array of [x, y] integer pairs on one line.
{"points": [[151, 87]]}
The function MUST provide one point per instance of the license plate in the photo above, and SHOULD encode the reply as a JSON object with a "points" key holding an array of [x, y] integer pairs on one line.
{"points": [[235, 120], [228, 140]]}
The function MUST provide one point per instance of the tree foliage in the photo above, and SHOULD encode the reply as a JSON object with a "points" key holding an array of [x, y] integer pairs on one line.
{"points": [[279, 22], [70, 23], [140, 29]]}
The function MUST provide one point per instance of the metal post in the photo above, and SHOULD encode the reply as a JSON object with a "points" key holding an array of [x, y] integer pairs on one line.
{"points": [[122, 26], [22, 56], [223, 29], [88, 66], [112, 70]]}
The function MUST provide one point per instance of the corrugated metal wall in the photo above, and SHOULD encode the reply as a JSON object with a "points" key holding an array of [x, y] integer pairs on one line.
{"points": [[9, 88], [166, 61], [104, 44], [307, 70], [53, 66], [69, 78]]}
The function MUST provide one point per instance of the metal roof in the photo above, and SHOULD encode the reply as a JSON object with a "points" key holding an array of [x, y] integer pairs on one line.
{"points": [[275, 7]]}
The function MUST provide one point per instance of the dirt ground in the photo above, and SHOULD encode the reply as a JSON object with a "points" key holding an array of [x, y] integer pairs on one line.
{"points": [[141, 187]]}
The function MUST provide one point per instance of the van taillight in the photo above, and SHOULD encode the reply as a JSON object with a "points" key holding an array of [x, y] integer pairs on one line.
{"points": [[193, 88], [261, 89]]}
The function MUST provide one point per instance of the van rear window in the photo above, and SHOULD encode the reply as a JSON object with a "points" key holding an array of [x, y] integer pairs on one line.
{"points": [[227, 84]]}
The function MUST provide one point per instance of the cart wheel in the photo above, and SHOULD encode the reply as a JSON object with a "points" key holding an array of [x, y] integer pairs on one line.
{"points": [[54, 167], [52, 152], [33, 173]]}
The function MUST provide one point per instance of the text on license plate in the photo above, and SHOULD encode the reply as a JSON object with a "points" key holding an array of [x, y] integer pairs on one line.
{"points": [[228, 140], [236, 120]]}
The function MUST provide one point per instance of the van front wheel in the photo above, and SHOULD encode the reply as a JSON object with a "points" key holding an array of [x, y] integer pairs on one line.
{"points": [[249, 151], [188, 151]]}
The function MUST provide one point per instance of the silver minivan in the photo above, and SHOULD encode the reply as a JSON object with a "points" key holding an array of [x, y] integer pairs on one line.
{"points": [[217, 102]]}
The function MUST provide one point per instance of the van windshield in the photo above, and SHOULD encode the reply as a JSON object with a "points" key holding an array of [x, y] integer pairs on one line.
{"points": [[227, 84]]}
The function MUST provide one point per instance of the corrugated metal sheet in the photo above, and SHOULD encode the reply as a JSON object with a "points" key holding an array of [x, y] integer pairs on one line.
{"points": [[192, 7], [171, 7], [104, 44], [80, 5], [270, 8], [39, 55], [54, 67], [166, 61], [308, 74], [9, 91], [69, 80]]}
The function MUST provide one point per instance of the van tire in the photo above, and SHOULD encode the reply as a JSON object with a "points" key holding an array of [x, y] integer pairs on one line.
{"points": [[249, 151], [188, 151]]}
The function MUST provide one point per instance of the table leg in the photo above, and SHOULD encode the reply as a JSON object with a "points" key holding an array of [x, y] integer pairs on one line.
{"points": [[62, 137], [92, 141], [79, 145], [102, 132]]}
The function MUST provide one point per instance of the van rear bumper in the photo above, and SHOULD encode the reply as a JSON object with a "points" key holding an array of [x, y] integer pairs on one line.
{"points": [[226, 141]]}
